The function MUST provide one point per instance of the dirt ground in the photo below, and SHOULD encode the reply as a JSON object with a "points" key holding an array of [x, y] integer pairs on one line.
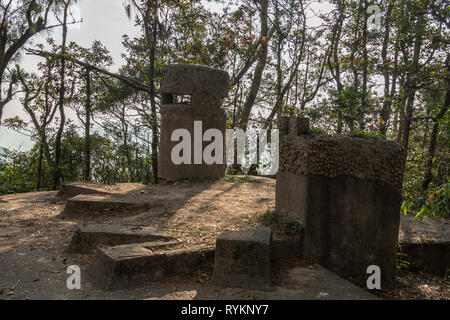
{"points": [[34, 235]]}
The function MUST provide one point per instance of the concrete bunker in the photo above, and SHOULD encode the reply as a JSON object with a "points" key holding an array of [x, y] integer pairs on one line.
{"points": [[346, 191], [190, 93]]}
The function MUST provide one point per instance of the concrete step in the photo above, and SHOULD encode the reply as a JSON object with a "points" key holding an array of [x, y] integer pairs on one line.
{"points": [[84, 205], [243, 259], [86, 238], [68, 190], [314, 282], [431, 257], [133, 265], [425, 243]]}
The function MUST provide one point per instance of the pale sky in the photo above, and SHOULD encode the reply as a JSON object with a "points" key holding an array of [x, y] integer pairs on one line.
{"points": [[103, 20]]}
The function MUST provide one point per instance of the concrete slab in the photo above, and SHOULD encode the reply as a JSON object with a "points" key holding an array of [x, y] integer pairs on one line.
{"points": [[134, 265], [69, 190], [316, 283], [97, 204], [47, 280], [86, 238], [426, 244]]}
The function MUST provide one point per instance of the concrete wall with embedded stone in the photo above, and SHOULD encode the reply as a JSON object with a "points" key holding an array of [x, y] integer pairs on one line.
{"points": [[346, 191], [206, 88]]}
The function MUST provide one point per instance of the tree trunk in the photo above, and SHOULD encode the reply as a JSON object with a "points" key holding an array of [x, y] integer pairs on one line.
{"points": [[259, 69], [411, 92], [365, 73], [39, 169], [7, 53], [151, 19], [428, 176], [62, 90], [334, 66], [282, 88], [385, 113], [87, 128]]}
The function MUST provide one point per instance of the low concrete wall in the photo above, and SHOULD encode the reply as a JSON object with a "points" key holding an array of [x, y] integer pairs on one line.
{"points": [[126, 266], [351, 224], [346, 191], [428, 257]]}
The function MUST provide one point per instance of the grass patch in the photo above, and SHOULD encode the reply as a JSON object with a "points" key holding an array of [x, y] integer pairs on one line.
{"points": [[270, 218], [233, 178], [205, 271]]}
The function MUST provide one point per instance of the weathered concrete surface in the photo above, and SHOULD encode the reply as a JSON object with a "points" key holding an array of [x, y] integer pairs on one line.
{"points": [[426, 243], [287, 248], [69, 190], [207, 87], [431, 257], [243, 259], [351, 224], [135, 264], [103, 205], [43, 277], [86, 238], [199, 81], [291, 196], [346, 191], [367, 158], [316, 283]]}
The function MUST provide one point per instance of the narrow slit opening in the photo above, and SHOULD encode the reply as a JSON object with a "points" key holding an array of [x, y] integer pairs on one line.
{"points": [[171, 98]]}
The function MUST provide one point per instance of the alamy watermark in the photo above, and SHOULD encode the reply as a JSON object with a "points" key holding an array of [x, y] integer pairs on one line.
{"points": [[74, 280], [374, 280], [374, 20], [251, 148]]}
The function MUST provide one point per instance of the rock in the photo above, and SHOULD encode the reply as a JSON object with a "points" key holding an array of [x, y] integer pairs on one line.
{"points": [[243, 259]]}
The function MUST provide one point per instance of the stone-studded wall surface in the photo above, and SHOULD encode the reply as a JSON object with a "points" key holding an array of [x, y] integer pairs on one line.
{"points": [[346, 191]]}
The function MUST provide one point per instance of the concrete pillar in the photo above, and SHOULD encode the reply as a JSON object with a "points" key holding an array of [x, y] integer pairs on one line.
{"points": [[191, 93]]}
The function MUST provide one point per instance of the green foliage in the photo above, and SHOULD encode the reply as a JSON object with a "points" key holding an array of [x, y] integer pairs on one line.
{"points": [[291, 228], [271, 219], [318, 131], [401, 262], [368, 135], [111, 163], [17, 171], [433, 203], [234, 178]]}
